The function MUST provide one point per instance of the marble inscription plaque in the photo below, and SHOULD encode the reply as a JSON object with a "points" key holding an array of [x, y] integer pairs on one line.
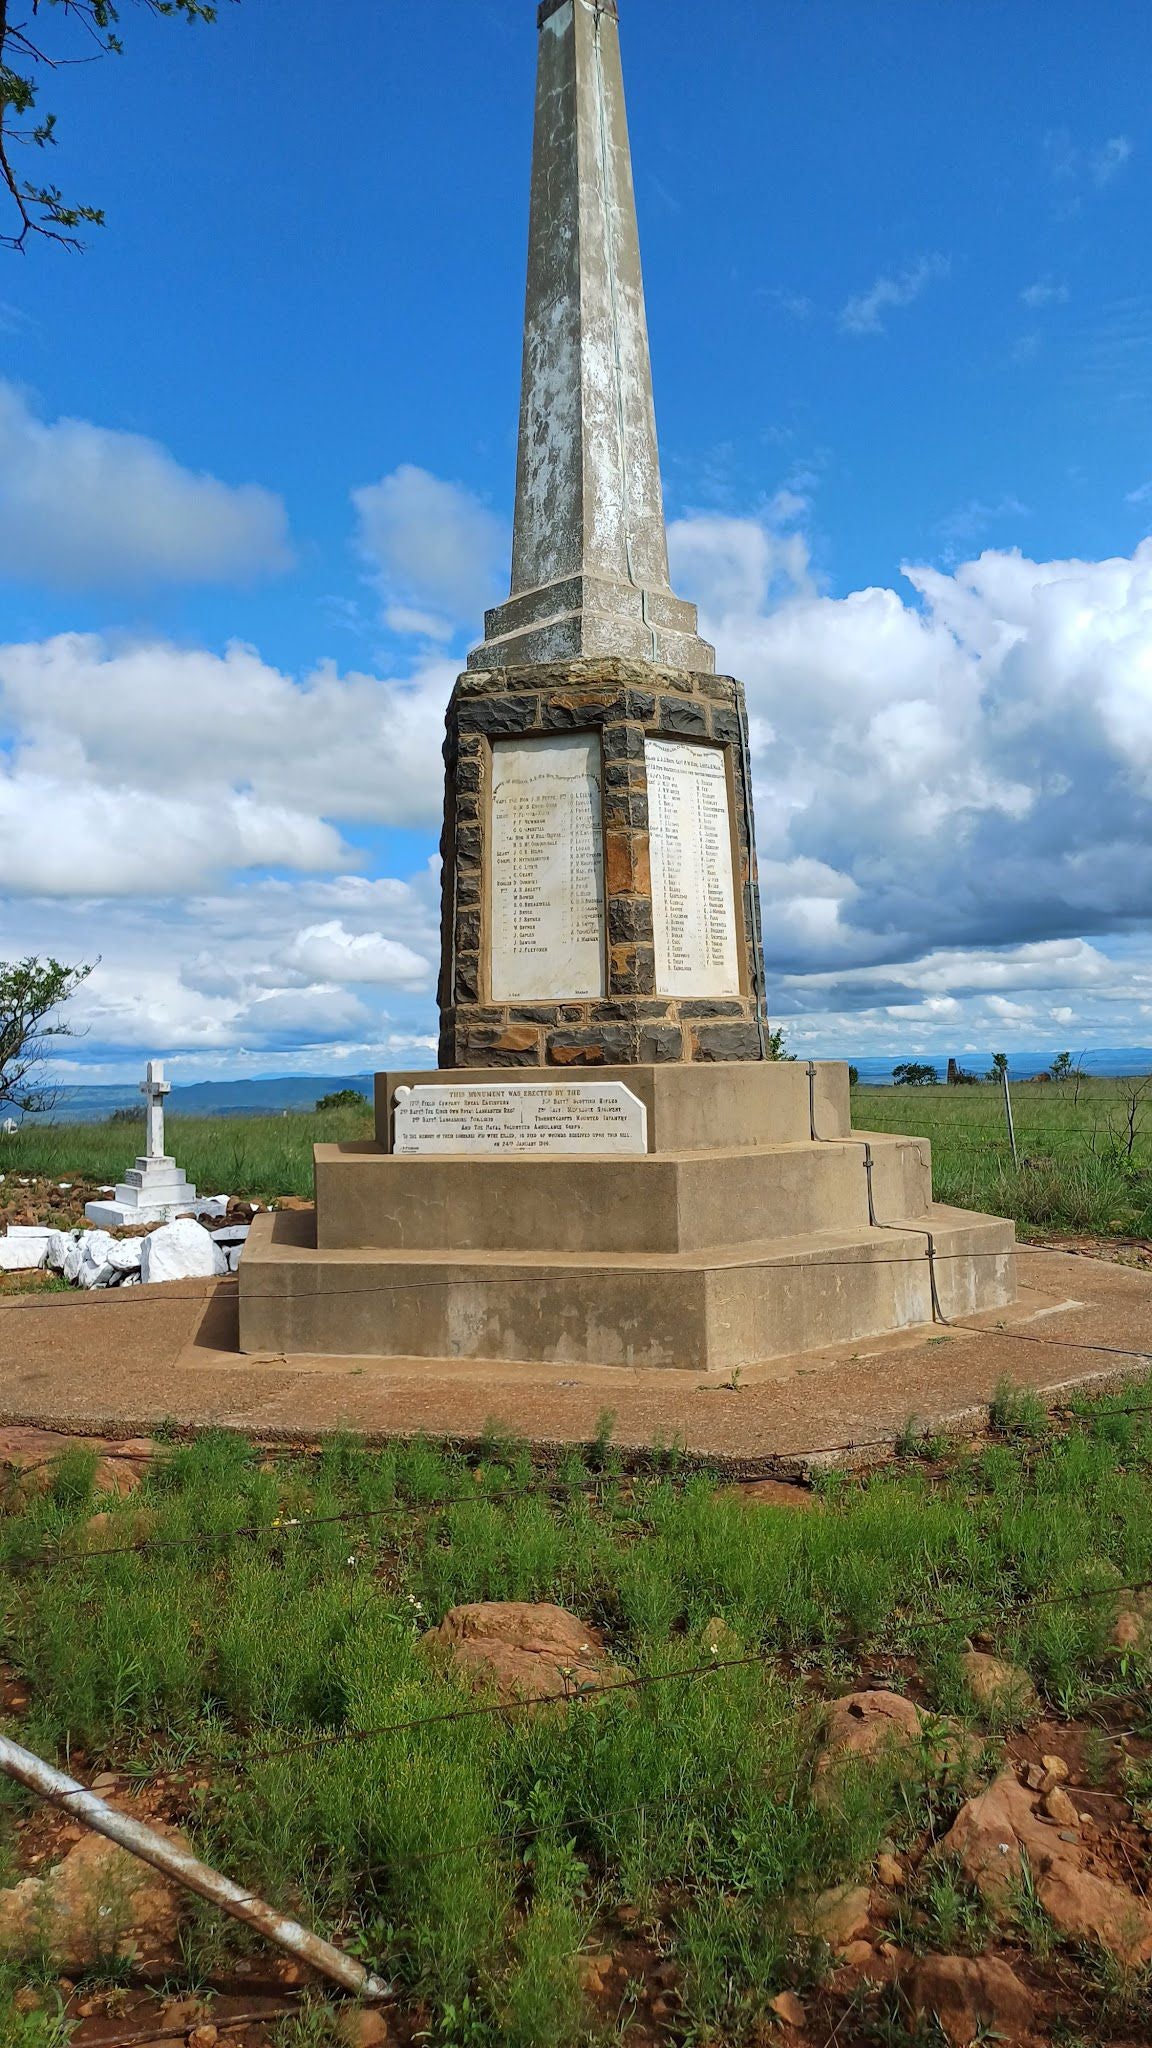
{"points": [[547, 870], [555, 1116], [693, 900]]}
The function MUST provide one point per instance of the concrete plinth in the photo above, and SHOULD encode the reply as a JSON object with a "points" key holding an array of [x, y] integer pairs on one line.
{"points": [[153, 1191], [758, 1225]]}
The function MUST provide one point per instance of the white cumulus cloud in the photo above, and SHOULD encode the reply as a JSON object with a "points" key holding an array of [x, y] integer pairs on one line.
{"points": [[435, 551], [962, 772], [87, 506], [161, 766]]}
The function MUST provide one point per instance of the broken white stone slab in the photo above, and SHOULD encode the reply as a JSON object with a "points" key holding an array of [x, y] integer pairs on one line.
{"points": [[95, 1268], [557, 1116], [23, 1251], [59, 1243], [235, 1233], [182, 1250], [104, 1260]]}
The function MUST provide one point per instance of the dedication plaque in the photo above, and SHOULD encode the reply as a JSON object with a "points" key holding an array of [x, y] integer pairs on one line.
{"points": [[554, 1116], [547, 870], [693, 901]]}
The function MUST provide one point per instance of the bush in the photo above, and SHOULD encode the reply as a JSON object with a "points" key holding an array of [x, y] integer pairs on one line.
{"points": [[344, 1098]]}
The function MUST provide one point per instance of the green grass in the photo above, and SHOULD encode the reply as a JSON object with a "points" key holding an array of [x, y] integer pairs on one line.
{"points": [[1076, 1171], [472, 1859], [261, 1156]]}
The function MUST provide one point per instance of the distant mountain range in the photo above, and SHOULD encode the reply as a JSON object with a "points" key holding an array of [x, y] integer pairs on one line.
{"points": [[276, 1093], [267, 1097]]}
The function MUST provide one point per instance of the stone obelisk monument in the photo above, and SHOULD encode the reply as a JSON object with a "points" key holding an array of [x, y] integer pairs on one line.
{"points": [[606, 1169], [600, 901]]}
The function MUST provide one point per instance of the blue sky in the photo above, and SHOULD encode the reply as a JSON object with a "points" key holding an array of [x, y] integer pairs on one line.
{"points": [[256, 467]]}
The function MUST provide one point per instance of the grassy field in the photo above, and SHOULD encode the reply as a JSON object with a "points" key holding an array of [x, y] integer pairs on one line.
{"points": [[260, 1156], [476, 1859], [1084, 1166]]}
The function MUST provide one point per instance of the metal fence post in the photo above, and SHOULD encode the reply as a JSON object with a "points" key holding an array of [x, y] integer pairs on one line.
{"points": [[1008, 1115]]}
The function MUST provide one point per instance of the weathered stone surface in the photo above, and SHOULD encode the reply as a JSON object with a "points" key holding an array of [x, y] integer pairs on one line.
{"points": [[183, 1250], [97, 1902], [838, 1916], [1132, 1629], [363, 2028], [998, 1687], [605, 698], [969, 1994], [787, 2007], [993, 1832], [1089, 1908], [525, 1651], [726, 1042], [778, 1493], [867, 1724], [1000, 1832]]}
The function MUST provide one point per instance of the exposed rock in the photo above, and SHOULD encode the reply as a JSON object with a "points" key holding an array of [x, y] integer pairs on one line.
{"points": [[838, 1916], [967, 1996], [527, 1651], [787, 2007], [96, 1903], [1132, 1628], [125, 1465], [1097, 1909], [871, 1724], [890, 1872], [994, 1833], [1059, 1808], [718, 1639], [593, 1973], [863, 1722], [182, 1250], [111, 1532], [364, 2029], [857, 1954], [997, 1687]]}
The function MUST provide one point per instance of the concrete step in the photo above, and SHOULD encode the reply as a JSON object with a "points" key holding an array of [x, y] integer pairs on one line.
{"points": [[668, 1202], [705, 1309]]}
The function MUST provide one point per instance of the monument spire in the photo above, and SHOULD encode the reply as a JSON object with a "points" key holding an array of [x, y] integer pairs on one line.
{"points": [[590, 553]]}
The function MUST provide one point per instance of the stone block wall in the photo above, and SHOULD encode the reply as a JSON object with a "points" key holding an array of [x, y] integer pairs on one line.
{"points": [[624, 701]]}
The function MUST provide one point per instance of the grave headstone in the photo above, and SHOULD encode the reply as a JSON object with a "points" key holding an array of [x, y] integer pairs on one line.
{"points": [[155, 1189]]}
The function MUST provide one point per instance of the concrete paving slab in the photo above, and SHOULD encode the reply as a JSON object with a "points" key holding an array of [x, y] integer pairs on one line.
{"points": [[120, 1364]]}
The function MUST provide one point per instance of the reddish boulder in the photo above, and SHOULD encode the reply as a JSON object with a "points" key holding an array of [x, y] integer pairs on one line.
{"points": [[999, 1688], [968, 1996], [1097, 1909], [839, 1916], [526, 1652], [862, 1723], [97, 1902], [997, 1834]]}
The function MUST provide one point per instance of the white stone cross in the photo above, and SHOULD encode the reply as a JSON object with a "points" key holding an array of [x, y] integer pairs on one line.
{"points": [[155, 1088]]}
